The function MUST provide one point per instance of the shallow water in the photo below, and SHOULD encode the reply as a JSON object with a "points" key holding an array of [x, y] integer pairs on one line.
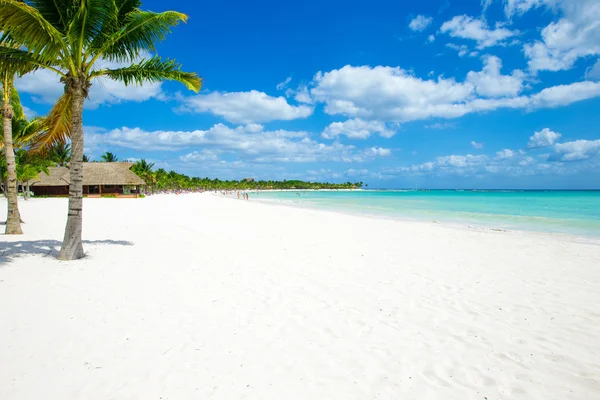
{"points": [[568, 212]]}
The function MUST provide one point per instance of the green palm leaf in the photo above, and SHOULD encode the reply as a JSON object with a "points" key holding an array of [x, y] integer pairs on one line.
{"points": [[154, 69], [142, 30], [29, 28], [56, 127]]}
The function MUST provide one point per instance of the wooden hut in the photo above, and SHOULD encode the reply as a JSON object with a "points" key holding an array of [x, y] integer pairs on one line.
{"points": [[99, 179]]}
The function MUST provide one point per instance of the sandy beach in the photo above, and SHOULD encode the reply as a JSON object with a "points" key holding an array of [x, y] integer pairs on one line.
{"points": [[205, 297]]}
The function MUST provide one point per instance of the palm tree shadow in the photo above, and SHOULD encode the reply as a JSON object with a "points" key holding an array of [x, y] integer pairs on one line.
{"points": [[48, 248]]}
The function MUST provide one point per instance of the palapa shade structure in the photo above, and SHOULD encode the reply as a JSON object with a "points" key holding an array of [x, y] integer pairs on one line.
{"points": [[113, 178]]}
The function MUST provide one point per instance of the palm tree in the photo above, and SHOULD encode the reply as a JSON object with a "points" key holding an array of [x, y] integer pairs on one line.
{"points": [[60, 154], [109, 157], [29, 165], [70, 37], [86, 158], [143, 169], [12, 113]]}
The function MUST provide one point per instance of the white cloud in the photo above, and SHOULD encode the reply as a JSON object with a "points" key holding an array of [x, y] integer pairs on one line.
{"points": [[563, 95], [460, 161], [543, 138], [477, 145], [245, 107], [377, 152], [302, 95], [431, 38], [504, 154], [357, 129], [200, 156], [462, 50], [387, 93], [513, 163], [465, 27], [575, 35], [393, 94], [576, 150], [357, 172], [593, 72], [491, 83], [250, 142], [420, 23], [45, 87], [485, 4], [284, 84], [521, 6], [441, 125], [506, 162]]}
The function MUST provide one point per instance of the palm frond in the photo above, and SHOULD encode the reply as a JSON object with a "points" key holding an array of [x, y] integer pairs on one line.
{"points": [[86, 24], [154, 69], [15, 100], [117, 19], [25, 134], [17, 61], [56, 12], [28, 27], [55, 127], [143, 29]]}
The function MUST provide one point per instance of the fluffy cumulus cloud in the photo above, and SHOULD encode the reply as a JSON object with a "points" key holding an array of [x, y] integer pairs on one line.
{"points": [[477, 145], [504, 154], [543, 138], [357, 129], [574, 35], [420, 23], [45, 87], [576, 151], [249, 142], [491, 83], [563, 95], [393, 94], [245, 107], [465, 27], [387, 93]]}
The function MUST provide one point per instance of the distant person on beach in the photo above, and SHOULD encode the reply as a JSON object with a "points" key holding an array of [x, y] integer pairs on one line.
{"points": [[238, 193]]}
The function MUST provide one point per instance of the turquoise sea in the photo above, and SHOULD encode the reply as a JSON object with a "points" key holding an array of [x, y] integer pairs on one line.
{"points": [[567, 212]]}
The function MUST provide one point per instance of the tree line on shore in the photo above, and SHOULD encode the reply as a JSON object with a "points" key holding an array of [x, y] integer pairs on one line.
{"points": [[160, 181], [29, 165]]}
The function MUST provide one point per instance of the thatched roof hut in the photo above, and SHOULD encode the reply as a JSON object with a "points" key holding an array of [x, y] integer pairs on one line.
{"points": [[98, 178]]}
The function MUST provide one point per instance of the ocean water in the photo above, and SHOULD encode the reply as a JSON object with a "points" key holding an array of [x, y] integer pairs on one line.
{"points": [[566, 212]]}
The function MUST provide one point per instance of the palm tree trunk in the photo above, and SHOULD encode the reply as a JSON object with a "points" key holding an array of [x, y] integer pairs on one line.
{"points": [[13, 221], [72, 247]]}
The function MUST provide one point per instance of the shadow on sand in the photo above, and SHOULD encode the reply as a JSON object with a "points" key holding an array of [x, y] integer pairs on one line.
{"points": [[47, 248]]}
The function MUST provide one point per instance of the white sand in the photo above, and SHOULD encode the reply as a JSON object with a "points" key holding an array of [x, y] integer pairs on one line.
{"points": [[201, 297]]}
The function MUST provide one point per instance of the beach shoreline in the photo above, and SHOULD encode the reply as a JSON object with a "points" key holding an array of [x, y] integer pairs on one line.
{"points": [[456, 224], [201, 296]]}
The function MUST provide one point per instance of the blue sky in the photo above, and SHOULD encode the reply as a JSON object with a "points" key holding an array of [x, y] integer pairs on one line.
{"points": [[436, 94]]}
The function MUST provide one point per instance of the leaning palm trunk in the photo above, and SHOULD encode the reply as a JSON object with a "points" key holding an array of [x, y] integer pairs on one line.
{"points": [[72, 247], [13, 220]]}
